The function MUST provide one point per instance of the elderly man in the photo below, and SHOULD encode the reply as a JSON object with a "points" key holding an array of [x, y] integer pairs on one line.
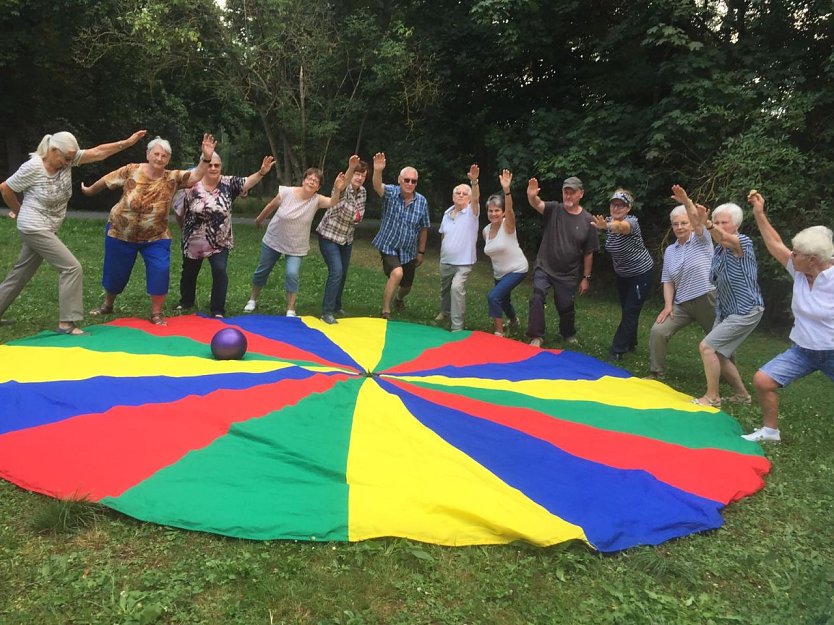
{"points": [[403, 230], [568, 245]]}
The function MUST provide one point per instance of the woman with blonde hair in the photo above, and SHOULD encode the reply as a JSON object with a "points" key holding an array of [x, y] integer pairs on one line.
{"points": [[45, 181]]}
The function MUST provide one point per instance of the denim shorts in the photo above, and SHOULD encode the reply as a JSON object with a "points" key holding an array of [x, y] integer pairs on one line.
{"points": [[797, 362]]}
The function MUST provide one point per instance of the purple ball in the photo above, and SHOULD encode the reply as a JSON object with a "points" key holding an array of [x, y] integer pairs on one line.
{"points": [[228, 344]]}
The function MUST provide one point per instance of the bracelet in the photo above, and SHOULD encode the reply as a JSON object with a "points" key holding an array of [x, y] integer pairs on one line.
{"points": [[709, 227], [506, 193], [473, 182], [205, 160], [588, 277], [423, 252], [261, 173]]}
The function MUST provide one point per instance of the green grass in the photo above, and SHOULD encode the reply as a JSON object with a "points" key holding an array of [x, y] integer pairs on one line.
{"points": [[772, 563]]}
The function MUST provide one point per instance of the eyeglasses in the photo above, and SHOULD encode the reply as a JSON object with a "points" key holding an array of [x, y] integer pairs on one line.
{"points": [[410, 180], [794, 253]]}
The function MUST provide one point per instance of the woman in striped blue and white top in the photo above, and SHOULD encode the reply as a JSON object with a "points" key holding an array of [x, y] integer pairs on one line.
{"points": [[633, 266], [739, 305]]}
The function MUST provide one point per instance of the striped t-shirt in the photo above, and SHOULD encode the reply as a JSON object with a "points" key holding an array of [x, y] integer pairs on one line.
{"points": [[736, 278], [628, 252], [45, 196], [687, 266]]}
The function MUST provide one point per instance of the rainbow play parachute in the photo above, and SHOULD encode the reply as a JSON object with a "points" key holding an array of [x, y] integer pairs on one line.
{"points": [[363, 429]]}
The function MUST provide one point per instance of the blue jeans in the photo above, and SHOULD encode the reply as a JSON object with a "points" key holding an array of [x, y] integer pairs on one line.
{"points": [[633, 293], [797, 362], [337, 259], [267, 261], [219, 281], [499, 298]]}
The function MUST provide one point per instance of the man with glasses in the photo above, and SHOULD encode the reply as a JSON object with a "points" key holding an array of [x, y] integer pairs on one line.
{"points": [[402, 235], [569, 241]]}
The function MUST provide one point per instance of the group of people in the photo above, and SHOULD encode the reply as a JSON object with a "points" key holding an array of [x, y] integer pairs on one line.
{"points": [[709, 273]]}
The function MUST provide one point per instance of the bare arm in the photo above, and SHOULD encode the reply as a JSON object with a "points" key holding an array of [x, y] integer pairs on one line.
{"points": [[268, 210], [719, 237], [105, 150], [771, 238], [587, 268], [10, 198], [97, 187], [259, 175], [379, 165], [421, 245], [207, 151], [696, 219], [668, 302], [475, 198], [506, 179], [533, 196]]}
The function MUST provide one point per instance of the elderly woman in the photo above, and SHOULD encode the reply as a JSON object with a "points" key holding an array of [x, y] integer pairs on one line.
{"points": [[207, 230], [688, 293], [335, 231], [633, 266], [739, 305], [509, 265], [288, 233], [459, 232], [138, 222], [45, 181], [811, 266]]}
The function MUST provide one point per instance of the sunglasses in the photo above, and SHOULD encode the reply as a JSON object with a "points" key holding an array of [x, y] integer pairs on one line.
{"points": [[410, 180]]}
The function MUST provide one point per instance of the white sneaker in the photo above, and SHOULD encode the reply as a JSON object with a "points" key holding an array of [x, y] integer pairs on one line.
{"points": [[250, 306], [291, 313], [763, 434], [572, 340], [536, 342]]}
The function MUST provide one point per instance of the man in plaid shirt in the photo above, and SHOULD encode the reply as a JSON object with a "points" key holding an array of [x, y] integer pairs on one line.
{"points": [[403, 231]]}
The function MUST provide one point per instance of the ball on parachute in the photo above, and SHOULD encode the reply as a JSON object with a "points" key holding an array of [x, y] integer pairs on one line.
{"points": [[228, 344]]}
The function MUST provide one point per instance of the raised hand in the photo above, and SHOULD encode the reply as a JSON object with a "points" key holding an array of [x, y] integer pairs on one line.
{"points": [[341, 181], [209, 143], [679, 194], [505, 178], [532, 187], [757, 201], [474, 172], [598, 222], [353, 161], [379, 161], [132, 139], [266, 165]]}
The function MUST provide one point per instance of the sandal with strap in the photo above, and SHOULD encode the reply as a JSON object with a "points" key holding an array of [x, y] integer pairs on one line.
{"points": [[738, 399], [706, 401], [158, 320], [102, 310], [73, 330]]}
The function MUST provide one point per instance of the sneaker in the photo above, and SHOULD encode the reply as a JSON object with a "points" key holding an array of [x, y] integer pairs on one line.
{"points": [[341, 313], [499, 334], [536, 342], [654, 375], [763, 435], [250, 306], [329, 318], [291, 313], [613, 356], [572, 340], [440, 317]]}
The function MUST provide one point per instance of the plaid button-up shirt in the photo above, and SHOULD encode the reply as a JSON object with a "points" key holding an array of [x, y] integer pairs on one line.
{"points": [[339, 221], [401, 224]]}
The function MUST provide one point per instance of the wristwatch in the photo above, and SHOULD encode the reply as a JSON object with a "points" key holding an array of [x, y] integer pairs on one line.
{"points": [[588, 277]]}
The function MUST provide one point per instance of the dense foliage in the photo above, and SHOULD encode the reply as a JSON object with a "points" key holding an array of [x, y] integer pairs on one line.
{"points": [[720, 96]]}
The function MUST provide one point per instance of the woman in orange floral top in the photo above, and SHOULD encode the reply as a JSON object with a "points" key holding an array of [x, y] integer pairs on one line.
{"points": [[138, 223]]}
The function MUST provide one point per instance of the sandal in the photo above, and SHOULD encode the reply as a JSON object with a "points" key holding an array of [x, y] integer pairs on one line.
{"points": [[158, 320], [399, 304], [102, 310], [73, 330], [706, 401], [385, 315], [738, 399]]}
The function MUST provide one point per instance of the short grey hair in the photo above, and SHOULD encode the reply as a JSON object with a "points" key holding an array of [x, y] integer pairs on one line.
{"points": [[680, 209], [158, 141], [733, 210], [815, 241], [65, 142], [406, 169]]}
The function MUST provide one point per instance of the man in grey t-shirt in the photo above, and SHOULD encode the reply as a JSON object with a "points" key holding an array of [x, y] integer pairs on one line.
{"points": [[568, 245]]}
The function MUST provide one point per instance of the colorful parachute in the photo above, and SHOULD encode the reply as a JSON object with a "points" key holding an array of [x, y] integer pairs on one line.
{"points": [[364, 429]]}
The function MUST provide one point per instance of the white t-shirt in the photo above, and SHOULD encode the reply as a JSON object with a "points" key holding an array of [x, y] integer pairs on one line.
{"points": [[505, 253], [460, 234], [813, 309], [45, 196]]}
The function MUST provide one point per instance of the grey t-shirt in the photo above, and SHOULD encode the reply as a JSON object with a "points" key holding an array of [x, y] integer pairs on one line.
{"points": [[566, 238]]}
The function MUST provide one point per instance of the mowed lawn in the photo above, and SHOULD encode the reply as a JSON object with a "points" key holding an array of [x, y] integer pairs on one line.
{"points": [[772, 562]]}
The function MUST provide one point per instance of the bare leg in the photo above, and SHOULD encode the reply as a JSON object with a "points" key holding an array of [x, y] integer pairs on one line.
{"points": [[732, 376], [291, 297], [766, 388], [498, 324], [157, 302], [712, 371], [390, 288], [256, 291]]}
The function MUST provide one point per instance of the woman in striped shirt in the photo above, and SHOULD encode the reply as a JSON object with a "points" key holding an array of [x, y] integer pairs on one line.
{"points": [[739, 304], [633, 266]]}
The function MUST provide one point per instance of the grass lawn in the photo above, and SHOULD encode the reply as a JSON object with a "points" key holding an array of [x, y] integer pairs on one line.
{"points": [[772, 562]]}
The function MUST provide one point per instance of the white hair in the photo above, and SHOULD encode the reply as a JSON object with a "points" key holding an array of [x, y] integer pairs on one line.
{"points": [[815, 241], [65, 142], [158, 141], [407, 169], [733, 210], [678, 211]]}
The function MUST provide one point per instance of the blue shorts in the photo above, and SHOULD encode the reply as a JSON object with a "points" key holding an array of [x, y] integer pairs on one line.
{"points": [[797, 362], [120, 256]]}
